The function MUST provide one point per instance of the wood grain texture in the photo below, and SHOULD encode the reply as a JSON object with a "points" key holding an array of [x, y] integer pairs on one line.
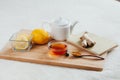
{"points": [[39, 54]]}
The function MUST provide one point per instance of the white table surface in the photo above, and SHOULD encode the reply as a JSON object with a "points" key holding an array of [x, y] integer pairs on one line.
{"points": [[101, 17]]}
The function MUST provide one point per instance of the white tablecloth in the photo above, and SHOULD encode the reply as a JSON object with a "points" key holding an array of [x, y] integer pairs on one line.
{"points": [[101, 17]]}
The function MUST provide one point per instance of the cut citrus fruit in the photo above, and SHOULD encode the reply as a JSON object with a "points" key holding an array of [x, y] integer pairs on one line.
{"points": [[21, 42]]}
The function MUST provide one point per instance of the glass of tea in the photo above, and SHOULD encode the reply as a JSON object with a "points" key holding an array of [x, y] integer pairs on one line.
{"points": [[57, 48]]}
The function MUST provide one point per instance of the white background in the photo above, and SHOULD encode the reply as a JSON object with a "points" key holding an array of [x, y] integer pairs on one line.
{"points": [[101, 17]]}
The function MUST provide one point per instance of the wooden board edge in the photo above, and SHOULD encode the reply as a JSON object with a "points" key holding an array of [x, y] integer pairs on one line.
{"points": [[109, 50], [50, 63]]}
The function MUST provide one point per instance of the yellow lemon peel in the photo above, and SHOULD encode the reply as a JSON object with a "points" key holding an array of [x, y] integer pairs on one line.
{"points": [[40, 36]]}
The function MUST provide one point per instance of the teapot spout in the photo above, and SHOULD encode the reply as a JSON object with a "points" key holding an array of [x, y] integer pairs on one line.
{"points": [[72, 26]]}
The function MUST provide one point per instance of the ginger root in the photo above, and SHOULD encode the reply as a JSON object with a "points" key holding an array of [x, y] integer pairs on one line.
{"points": [[86, 41]]}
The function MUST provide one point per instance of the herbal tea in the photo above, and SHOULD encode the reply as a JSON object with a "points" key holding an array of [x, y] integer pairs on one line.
{"points": [[58, 48]]}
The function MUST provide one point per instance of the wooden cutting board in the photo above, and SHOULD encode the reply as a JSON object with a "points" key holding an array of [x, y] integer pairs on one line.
{"points": [[39, 54]]}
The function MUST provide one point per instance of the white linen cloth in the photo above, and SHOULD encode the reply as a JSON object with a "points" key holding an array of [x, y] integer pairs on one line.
{"points": [[101, 17]]}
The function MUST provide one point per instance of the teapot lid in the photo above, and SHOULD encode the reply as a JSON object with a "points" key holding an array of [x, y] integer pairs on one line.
{"points": [[61, 22]]}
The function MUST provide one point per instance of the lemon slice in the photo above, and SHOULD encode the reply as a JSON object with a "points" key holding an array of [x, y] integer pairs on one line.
{"points": [[21, 42]]}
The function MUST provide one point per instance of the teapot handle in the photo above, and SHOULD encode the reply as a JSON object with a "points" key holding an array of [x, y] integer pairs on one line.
{"points": [[72, 26]]}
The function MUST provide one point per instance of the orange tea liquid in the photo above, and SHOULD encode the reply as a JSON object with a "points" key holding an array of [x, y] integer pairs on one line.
{"points": [[58, 48]]}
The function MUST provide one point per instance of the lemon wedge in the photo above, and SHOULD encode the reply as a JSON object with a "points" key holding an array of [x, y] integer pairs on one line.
{"points": [[21, 42]]}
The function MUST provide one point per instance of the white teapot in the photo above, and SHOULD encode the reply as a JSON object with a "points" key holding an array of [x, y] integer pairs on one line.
{"points": [[60, 29]]}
